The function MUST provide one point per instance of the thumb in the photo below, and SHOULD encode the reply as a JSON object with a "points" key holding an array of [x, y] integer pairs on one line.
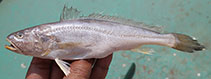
{"points": [[80, 69]]}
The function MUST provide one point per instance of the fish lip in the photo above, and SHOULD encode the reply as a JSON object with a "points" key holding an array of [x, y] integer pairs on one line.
{"points": [[13, 47]]}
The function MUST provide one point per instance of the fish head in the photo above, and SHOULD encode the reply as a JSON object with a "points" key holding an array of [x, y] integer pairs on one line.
{"points": [[23, 42]]}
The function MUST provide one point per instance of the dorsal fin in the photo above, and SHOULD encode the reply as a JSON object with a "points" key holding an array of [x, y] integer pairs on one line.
{"points": [[123, 21], [73, 13], [69, 13]]}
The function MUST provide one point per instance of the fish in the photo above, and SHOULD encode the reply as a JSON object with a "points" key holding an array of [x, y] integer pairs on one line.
{"points": [[94, 36]]}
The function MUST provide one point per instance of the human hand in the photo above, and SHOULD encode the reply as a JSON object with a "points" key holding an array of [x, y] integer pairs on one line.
{"points": [[80, 69]]}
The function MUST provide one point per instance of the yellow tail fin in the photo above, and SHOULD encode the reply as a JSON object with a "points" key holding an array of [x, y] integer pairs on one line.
{"points": [[186, 43]]}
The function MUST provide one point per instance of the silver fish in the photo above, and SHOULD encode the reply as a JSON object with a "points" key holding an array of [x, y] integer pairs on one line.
{"points": [[95, 36]]}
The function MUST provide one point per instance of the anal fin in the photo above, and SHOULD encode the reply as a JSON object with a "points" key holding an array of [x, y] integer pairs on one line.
{"points": [[143, 50]]}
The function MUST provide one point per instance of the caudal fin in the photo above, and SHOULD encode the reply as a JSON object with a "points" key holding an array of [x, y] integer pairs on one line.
{"points": [[187, 44]]}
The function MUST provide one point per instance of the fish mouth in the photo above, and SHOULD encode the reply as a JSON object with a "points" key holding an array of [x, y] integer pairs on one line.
{"points": [[12, 46]]}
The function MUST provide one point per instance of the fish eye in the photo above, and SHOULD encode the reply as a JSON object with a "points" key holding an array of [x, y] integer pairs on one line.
{"points": [[19, 35]]}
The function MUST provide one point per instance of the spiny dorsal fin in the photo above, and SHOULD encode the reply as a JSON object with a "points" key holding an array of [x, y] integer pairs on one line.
{"points": [[123, 21], [69, 13], [73, 13]]}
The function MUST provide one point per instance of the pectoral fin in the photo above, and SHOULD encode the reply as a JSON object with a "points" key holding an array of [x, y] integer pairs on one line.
{"points": [[64, 66], [67, 45], [46, 52]]}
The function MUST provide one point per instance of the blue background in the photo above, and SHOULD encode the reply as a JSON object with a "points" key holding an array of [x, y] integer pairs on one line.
{"points": [[192, 17]]}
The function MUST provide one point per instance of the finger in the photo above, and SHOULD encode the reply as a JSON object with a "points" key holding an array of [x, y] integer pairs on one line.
{"points": [[56, 72], [101, 68], [39, 69], [80, 69]]}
